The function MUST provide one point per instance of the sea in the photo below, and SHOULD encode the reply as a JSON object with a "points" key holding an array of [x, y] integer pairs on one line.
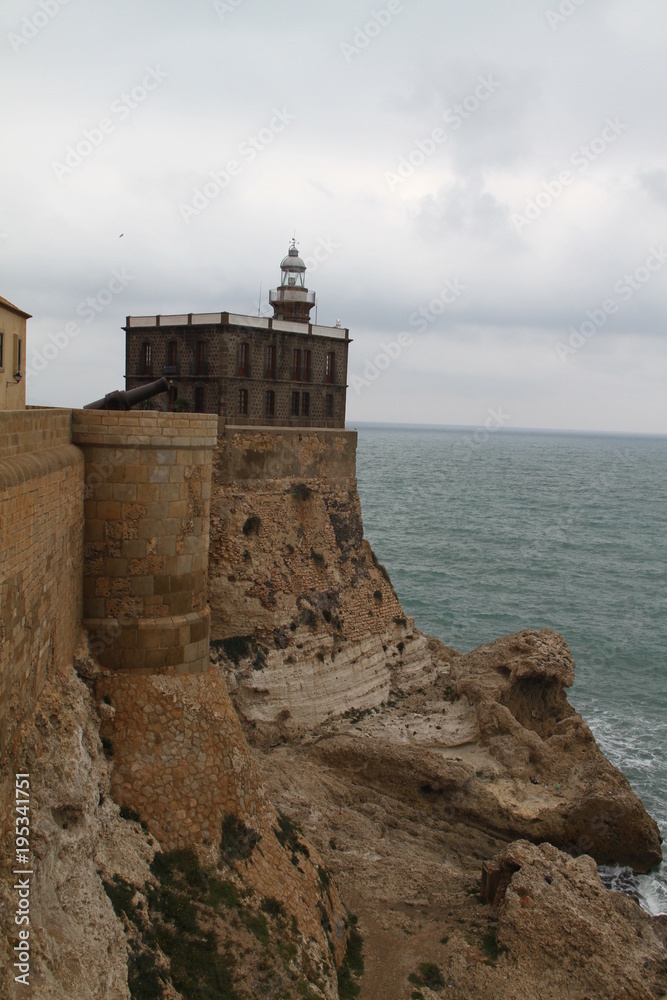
{"points": [[486, 533]]}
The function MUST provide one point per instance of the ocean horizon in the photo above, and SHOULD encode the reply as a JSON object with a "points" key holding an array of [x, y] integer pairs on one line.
{"points": [[501, 431]]}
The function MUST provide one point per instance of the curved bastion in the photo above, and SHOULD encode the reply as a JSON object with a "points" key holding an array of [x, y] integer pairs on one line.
{"points": [[147, 502]]}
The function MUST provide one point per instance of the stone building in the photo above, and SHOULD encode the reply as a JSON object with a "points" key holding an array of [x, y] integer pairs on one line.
{"points": [[282, 371], [12, 356]]}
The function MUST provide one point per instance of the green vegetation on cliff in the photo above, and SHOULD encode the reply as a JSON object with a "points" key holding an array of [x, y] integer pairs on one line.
{"points": [[185, 929]]}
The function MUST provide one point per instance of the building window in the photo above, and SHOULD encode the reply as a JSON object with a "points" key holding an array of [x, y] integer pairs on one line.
{"points": [[200, 399], [305, 404], [270, 403], [171, 367], [146, 358], [244, 360], [328, 405], [2, 336], [296, 365], [294, 408], [201, 366], [271, 361], [171, 402], [330, 374], [243, 400], [306, 366]]}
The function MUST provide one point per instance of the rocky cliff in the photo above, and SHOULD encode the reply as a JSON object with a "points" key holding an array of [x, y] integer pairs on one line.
{"points": [[212, 834], [304, 618], [247, 909], [407, 802], [407, 764]]}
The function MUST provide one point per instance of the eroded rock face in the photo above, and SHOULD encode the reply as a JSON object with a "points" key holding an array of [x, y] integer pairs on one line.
{"points": [[407, 801], [77, 839], [516, 687], [297, 596], [493, 744], [574, 938], [103, 890]]}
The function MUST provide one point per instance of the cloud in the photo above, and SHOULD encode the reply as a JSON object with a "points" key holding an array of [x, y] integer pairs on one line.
{"points": [[451, 218]]}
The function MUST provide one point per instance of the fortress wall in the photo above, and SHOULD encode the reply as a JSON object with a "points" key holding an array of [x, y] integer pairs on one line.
{"points": [[179, 755], [146, 537], [41, 556], [287, 542], [317, 627], [28, 431], [262, 454]]}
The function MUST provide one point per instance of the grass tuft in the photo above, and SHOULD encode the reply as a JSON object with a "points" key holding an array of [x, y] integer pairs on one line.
{"points": [[353, 965], [287, 834], [238, 841], [273, 907], [429, 975]]}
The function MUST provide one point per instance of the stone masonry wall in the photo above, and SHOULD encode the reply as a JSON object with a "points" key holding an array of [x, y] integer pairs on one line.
{"points": [[299, 604], [181, 761], [218, 379], [146, 537], [41, 557], [283, 383], [287, 537]]}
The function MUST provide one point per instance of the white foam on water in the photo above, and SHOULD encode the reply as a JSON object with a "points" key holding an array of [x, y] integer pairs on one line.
{"points": [[635, 747]]}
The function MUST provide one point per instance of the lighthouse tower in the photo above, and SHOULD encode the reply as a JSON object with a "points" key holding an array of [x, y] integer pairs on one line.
{"points": [[292, 300]]}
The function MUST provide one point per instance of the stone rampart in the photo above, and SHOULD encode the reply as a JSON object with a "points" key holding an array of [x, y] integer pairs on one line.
{"points": [[147, 482], [41, 558], [260, 454], [41, 536], [115, 533], [298, 601]]}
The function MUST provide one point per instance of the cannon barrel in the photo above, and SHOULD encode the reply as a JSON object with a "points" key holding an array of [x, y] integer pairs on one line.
{"points": [[121, 399]]}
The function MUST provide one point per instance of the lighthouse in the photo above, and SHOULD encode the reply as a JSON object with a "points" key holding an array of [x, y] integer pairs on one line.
{"points": [[291, 300]]}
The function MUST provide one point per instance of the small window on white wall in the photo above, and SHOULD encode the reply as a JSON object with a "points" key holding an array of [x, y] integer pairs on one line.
{"points": [[18, 354]]}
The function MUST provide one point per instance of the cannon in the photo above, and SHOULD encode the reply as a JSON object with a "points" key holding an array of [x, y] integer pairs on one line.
{"points": [[121, 399]]}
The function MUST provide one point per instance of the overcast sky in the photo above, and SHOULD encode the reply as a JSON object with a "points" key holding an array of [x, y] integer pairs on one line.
{"points": [[484, 184]]}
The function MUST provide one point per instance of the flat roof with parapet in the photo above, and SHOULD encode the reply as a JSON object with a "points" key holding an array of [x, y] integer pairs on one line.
{"points": [[234, 319]]}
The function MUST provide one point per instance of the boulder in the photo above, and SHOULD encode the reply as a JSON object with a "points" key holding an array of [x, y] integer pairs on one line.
{"points": [[562, 928]]}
